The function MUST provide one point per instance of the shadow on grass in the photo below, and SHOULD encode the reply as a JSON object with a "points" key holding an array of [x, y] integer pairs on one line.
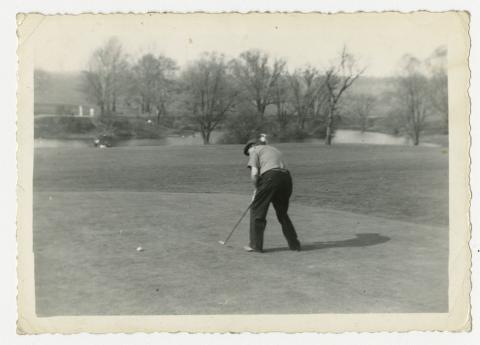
{"points": [[360, 240]]}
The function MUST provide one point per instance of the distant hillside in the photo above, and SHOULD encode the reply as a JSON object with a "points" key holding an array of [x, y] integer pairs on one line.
{"points": [[59, 88], [66, 88], [372, 86], [381, 89]]}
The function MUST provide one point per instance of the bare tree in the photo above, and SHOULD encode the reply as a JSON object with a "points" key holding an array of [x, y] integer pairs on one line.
{"points": [[413, 100], [209, 93], [154, 83], [105, 77], [256, 78], [361, 107], [307, 95], [438, 83], [338, 78], [281, 96]]}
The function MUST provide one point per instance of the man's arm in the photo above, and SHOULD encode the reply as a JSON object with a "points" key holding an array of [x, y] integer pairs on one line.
{"points": [[254, 176], [254, 164]]}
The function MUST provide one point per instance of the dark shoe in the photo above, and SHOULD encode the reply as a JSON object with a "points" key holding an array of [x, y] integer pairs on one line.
{"points": [[250, 250], [297, 248]]}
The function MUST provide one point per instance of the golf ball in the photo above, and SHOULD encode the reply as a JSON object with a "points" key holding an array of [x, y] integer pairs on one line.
{"points": [[139, 249]]}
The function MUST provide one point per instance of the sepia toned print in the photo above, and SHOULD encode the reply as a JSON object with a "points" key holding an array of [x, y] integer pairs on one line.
{"points": [[141, 208]]}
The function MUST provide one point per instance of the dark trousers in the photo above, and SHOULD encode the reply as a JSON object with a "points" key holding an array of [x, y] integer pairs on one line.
{"points": [[274, 186]]}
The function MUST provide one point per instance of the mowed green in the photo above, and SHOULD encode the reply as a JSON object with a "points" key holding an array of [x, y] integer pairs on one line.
{"points": [[373, 221]]}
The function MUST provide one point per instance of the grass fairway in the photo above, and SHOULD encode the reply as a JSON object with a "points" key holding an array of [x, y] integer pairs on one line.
{"points": [[373, 222]]}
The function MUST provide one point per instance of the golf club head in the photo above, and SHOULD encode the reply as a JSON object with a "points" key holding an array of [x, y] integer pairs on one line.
{"points": [[221, 242]]}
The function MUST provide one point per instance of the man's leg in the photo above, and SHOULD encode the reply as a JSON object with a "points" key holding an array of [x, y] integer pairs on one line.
{"points": [[281, 203], [258, 215]]}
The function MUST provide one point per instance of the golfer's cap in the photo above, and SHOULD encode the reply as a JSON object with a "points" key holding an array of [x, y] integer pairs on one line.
{"points": [[249, 144]]}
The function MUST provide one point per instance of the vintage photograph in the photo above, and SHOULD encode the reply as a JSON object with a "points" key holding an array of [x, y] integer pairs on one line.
{"points": [[232, 167]]}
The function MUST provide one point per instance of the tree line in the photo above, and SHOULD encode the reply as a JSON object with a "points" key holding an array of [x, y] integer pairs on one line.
{"points": [[255, 92]]}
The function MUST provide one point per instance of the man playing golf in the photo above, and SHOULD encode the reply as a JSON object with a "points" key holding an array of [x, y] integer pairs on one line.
{"points": [[273, 184]]}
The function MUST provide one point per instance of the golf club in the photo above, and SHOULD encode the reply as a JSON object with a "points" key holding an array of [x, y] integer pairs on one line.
{"points": [[236, 225]]}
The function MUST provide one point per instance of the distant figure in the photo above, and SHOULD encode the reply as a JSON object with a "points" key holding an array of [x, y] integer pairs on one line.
{"points": [[103, 141], [273, 184]]}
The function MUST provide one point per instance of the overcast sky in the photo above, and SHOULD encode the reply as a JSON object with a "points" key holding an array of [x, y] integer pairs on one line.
{"points": [[65, 43]]}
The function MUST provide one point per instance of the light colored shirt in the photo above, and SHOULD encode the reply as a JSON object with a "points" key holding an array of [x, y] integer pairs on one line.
{"points": [[266, 157]]}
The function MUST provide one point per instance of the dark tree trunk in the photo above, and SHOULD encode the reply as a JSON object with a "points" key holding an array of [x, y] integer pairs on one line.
{"points": [[158, 116], [416, 138], [301, 122], [329, 132], [363, 126], [114, 103], [261, 110], [206, 136]]}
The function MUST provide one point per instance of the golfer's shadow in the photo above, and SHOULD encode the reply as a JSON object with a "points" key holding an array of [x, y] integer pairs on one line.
{"points": [[360, 240]]}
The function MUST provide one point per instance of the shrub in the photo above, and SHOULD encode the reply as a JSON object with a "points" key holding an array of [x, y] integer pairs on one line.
{"points": [[291, 134], [242, 126], [130, 127], [146, 130], [319, 130], [117, 127], [62, 126], [122, 128]]}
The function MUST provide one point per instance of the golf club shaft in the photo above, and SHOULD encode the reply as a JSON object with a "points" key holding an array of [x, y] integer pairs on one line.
{"points": [[236, 225]]}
